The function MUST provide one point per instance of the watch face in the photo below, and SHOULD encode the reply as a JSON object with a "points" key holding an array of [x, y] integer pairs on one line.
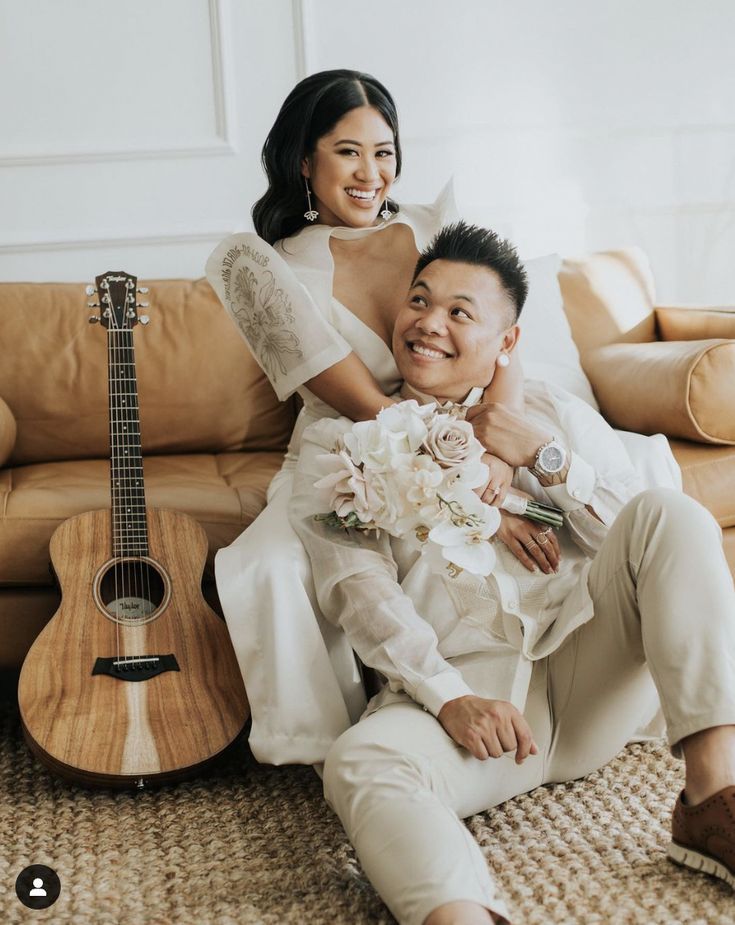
{"points": [[551, 459]]}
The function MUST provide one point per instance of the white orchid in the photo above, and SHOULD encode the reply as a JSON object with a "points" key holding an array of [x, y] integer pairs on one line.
{"points": [[464, 537]]}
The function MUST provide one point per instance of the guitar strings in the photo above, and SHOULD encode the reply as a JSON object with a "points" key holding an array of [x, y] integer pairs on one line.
{"points": [[132, 577], [115, 484], [140, 510]]}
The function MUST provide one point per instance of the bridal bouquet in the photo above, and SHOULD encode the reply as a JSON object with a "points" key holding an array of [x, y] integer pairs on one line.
{"points": [[412, 472]]}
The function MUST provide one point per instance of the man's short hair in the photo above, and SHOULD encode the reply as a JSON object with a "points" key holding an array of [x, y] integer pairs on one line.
{"points": [[463, 243]]}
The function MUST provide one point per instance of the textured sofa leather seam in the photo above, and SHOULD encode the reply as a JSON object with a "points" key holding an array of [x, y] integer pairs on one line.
{"points": [[715, 441]]}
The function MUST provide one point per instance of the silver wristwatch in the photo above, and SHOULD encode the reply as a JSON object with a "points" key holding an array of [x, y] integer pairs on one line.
{"points": [[550, 459]]}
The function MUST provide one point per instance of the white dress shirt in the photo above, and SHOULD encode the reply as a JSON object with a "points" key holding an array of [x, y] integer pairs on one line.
{"points": [[411, 624]]}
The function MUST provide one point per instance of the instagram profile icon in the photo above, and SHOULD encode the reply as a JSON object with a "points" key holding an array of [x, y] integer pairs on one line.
{"points": [[38, 886]]}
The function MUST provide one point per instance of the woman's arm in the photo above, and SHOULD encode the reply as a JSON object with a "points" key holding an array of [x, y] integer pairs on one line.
{"points": [[350, 388], [507, 385], [506, 388]]}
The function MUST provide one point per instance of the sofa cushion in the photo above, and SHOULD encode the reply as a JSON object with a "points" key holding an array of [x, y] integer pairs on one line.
{"points": [[200, 389], [608, 296], [695, 323], [546, 347], [223, 492], [708, 474], [680, 388]]}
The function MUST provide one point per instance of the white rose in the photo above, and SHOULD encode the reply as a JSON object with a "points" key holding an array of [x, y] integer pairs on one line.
{"points": [[374, 446], [387, 502], [407, 420]]}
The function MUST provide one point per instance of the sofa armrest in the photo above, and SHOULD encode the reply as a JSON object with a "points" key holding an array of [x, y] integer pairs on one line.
{"points": [[679, 323], [680, 388], [8, 431]]}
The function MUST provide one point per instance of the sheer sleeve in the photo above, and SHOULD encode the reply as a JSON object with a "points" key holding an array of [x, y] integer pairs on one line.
{"points": [[285, 330], [356, 583]]}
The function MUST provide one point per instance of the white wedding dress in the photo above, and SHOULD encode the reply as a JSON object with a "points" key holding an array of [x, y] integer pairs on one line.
{"points": [[301, 676]]}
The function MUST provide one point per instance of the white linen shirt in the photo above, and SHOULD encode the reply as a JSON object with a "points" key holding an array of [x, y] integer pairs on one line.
{"points": [[411, 624]]}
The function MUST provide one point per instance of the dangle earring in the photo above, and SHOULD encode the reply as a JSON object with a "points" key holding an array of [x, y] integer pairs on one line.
{"points": [[503, 359], [311, 215], [385, 211]]}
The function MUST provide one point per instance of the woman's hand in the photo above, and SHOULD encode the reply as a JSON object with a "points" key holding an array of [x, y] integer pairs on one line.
{"points": [[487, 728], [506, 433], [534, 545], [501, 476]]}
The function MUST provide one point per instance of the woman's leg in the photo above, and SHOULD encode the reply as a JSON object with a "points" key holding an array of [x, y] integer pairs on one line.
{"points": [[664, 626], [400, 786], [285, 650]]}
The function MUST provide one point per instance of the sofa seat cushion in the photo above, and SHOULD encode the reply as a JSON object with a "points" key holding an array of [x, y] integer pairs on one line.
{"points": [[224, 492], [708, 474]]}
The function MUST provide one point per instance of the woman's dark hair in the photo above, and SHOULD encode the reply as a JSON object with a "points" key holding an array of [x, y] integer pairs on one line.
{"points": [[311, 110]]}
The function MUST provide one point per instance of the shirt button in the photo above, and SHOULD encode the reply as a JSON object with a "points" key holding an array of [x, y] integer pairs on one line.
{"points": [[576, 493], [513, 605]]}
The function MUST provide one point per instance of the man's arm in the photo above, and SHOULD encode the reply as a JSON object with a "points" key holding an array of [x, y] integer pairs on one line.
{"points": [[356, 583], [598, 479]]}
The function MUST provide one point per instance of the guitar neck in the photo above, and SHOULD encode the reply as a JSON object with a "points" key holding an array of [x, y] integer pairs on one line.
{"points": [[129, 524]]}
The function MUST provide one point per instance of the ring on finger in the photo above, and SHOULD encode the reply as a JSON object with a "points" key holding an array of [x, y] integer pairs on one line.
{"points": [[530, 543], [542, 539]]}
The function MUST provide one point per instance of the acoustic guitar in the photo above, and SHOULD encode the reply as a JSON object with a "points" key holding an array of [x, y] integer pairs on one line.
{"points": [[134, 680]]}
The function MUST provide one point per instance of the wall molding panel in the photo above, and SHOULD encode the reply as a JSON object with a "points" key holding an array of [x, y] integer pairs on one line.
{"points": [[220, 37], [304, 23]]}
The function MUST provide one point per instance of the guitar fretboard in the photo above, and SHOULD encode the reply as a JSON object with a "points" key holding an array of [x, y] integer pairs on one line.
{"points": [[129, 525]]}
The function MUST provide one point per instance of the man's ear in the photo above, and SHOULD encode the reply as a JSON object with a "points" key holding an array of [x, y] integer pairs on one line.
{"points": [[510, 338], [305, 168]]}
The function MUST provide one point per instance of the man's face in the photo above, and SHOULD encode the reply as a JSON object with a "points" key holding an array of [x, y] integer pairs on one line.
{"points": [[456, 319]]}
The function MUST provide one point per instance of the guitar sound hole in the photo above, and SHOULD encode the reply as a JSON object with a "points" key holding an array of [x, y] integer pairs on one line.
{"points": [[131, 591]]}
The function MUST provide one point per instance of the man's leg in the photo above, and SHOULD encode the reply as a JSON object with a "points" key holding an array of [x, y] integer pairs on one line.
{"points": [[664, 623], [400, 786], [665, 613]]}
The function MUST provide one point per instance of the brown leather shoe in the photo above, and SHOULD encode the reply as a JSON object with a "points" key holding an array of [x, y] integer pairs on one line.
{"points": [[703, 836]]}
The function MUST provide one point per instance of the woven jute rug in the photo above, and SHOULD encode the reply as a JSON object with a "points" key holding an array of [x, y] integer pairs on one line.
{"points": [[255, 844]]}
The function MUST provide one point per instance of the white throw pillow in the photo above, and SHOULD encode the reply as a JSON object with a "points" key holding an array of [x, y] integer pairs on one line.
{"points": [[546, 347]]}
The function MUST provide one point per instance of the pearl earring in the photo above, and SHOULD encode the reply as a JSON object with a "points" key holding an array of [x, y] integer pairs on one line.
{"points": [[386, 212], [311, 215], [503, 359]]}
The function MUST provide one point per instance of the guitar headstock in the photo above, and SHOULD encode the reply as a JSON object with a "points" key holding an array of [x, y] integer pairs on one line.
{"points": [[117, 294]]}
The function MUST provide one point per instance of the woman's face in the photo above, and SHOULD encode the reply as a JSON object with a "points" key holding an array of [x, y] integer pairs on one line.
{"points": [[352, 169]]}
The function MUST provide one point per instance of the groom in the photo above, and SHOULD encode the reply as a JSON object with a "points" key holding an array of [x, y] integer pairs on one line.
{"points": [[495, 686]]}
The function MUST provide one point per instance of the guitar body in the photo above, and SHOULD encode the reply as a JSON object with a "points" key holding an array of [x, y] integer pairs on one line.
{"points": [[144, 717]]}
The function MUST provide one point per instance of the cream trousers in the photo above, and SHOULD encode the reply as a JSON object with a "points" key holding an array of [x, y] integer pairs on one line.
{"points": [[664, 624]]}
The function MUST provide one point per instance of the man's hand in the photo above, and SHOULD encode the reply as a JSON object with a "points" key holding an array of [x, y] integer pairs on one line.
{"points": [[487, 728], [507, 434], [531, 543]]}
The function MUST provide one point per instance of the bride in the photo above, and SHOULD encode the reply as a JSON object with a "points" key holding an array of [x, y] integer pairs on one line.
{"points": [[331, 159]]}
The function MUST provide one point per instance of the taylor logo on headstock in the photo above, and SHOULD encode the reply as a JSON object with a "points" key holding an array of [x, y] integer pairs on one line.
{"points": [[117, 291]]}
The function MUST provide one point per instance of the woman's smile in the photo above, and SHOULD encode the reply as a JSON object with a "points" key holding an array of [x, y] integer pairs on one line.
{"points": [[352, 169]]}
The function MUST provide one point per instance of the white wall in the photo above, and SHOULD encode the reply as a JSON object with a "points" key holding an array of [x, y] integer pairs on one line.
{"points": [[569, 126]]}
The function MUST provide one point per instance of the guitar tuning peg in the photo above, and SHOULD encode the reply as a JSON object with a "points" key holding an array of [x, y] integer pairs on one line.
{"points": [[94, 319], [90, 290], [143, 290], [143, 304], [144, 319], [92, 305]]}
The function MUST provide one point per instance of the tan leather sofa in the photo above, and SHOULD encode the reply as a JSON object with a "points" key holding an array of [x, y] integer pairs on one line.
{"points": [[213, 432], [660, 369]]}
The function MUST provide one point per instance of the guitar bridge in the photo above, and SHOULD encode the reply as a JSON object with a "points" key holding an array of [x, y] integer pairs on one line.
{"points": [[136, 667]]}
